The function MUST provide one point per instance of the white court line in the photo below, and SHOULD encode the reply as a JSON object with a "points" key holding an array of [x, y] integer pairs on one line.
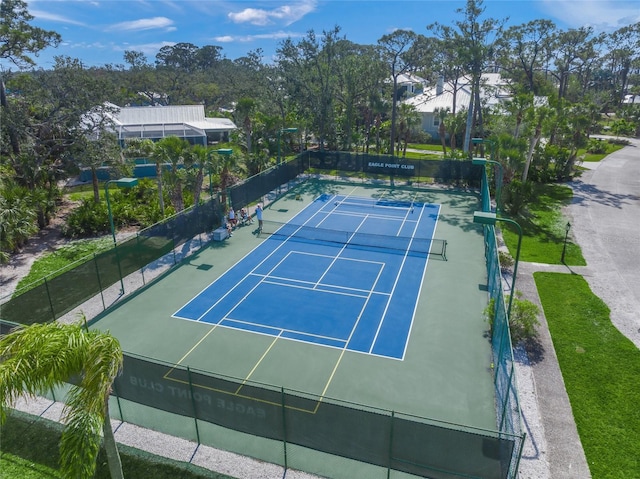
{"points": [[360, 215], [424, 272], [393, 289], [233, 266], [406, 220], [319, 288], [340, 252], [282, 330]]}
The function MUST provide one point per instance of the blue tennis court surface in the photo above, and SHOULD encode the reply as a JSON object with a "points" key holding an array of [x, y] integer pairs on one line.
{"points": [[345, 273]]}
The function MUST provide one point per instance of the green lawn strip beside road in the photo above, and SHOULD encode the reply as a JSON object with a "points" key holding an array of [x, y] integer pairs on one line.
{"points": [[29, 449], [601, 371], [544, 228]]}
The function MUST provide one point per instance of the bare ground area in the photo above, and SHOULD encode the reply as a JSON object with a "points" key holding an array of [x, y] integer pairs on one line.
{"points": [[46, 240]]}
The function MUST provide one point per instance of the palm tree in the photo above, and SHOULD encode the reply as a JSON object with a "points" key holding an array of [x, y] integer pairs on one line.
{"points": [[17, 218], [225, 166], [173, 150], [43, 356], [197, 157], [145, 148]]}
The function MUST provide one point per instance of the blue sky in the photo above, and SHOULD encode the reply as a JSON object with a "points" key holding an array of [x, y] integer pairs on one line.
{"points": [[99, 31]]}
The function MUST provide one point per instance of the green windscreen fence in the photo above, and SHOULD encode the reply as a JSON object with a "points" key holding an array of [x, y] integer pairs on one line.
{"points": [[507, 404], [374, 436], [444, 170], [55, 295], [253, 189], [383, 438]]}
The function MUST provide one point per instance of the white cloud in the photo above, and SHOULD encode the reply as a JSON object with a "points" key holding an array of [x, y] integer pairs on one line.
{"points": [[602, 15], [145, 24], [224, 39], [52, 17], [251, 38], [287, 14]]}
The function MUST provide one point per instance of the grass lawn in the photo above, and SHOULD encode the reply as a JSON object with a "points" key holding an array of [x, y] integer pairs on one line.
{"points": [[601, 371], [425, 146], [544, 229], [422, 156], [29, 449], [611, 147], [13, 466], [62, 259]]}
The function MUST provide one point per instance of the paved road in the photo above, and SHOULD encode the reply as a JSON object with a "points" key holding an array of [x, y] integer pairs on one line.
{"points": [[605, 222]]}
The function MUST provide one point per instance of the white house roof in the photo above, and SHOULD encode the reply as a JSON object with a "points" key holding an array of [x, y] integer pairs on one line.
{"points": [[410, 78], [430, 99]]}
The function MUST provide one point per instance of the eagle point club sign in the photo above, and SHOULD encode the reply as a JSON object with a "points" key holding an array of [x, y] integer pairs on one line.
{"points": [[399, 167]]}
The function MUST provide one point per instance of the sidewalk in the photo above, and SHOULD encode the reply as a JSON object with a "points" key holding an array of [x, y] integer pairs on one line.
{"points": [[552, 448]]}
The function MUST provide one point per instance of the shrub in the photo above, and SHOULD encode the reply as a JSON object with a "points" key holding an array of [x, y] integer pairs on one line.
{"points": [[88, 219], [523, 320], [597, 146], [516, 195], [506, 260]]}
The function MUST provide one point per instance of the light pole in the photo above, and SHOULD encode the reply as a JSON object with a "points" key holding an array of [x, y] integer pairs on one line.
{"points": [[125, 183], [280, 131], [487, 218], [219, 151], [484, 161], [564, 246]]}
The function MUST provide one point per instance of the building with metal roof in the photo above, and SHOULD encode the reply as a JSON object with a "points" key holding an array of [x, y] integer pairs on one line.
{"points": [[156, 122]]}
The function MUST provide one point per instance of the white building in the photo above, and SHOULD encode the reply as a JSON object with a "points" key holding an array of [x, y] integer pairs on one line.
{"points": [[156, 122], [440, 97]]}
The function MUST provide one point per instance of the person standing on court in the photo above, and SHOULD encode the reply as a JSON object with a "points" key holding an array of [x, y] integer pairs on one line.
{"points": [[259, 216], [232, 218]]}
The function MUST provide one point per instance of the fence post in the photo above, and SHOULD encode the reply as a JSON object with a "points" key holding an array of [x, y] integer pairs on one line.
{"points": [[115, 248], [506, 398], [393, 414], [193, 404], [95, 262], [139, 251], [115, 391], [284, 427], [46, 286]]}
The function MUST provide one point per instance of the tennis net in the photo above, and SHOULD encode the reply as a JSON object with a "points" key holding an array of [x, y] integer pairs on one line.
{"points": [[398, 244]]}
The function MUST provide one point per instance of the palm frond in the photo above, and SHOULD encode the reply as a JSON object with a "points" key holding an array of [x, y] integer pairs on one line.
{"points": [[41, 357]]}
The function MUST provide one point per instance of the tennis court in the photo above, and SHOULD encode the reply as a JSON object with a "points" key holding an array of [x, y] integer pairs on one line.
{"points": [[345, 273], [352, 293]]}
